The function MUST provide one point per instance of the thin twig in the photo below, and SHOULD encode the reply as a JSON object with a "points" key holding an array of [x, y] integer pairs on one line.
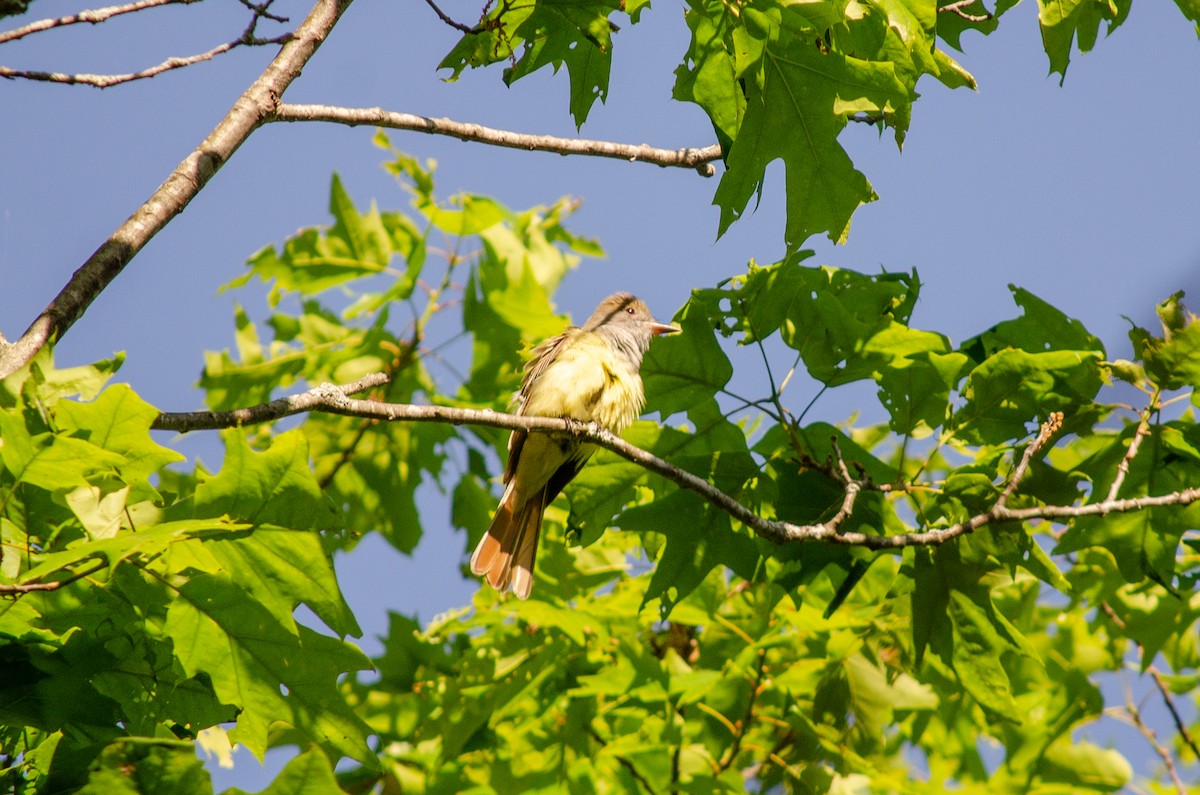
{"points": [[625, 763], [1143, 430], [697, 158], [262, 10], [108, 81], [467, 29], [1135, 718], [958, 9], [1169, 700], [177, 191], [321, 397], [249, 38], [7, 589], [743, 725], [1050, 427], [93, 17], [851, 486]]}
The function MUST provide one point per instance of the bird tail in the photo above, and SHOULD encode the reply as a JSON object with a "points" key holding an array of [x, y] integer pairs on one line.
{"points": [[507, 552]]}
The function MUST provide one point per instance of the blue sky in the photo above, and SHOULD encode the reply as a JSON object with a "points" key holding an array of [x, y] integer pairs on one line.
{"points": [[1083, 194]]}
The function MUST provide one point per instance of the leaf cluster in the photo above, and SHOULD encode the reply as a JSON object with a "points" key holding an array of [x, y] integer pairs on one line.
{"points": [[148, 610]]}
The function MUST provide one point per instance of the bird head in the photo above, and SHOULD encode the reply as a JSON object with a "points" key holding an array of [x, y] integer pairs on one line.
{"points": [[625, 316]]}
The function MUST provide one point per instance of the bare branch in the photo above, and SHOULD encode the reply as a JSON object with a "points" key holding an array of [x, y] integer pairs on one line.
{"points": [[261, 11], [322, 397], [93, 17], [17, 589], [456, 25], [170, 199], [743, 725], [1143, 430], [700, 159], [1169, 700], [852, 487], [247, 39], [1134, 717], [959, 9], [107, 81], [1048, 429], [333, 399]]}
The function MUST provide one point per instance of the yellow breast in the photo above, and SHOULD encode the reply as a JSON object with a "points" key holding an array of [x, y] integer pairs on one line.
{"points": [[588, 382]]}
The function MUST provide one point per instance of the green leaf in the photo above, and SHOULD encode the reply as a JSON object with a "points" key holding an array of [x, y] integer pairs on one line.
{"points": [[1084, 766], [119, 421], [1191, 10], [1173, 360], [1064, 21], [795, 115], [574, 33], [49, 461], [699, 538], [375, 488], [683, 370], [283, 568], [709, 73], [222, 633], [272, 487], [1040, 328], [310, 773], [42, 379], [136, 769], [146, 542], [976, 16], [358, 245], [1013, 388], [915, 389], [977, 657]]}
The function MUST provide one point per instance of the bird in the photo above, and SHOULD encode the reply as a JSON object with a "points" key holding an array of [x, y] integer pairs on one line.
{"points": [[588, 373]]}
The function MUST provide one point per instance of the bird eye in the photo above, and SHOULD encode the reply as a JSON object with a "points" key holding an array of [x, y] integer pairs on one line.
{"points": [[629, 309]]}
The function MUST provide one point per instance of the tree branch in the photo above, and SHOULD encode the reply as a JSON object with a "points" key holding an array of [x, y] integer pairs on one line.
{"points": [[247, 39], [743, 725], [625, 763], [1169, 700], [1134, 716], [319, 398], [959, 9], [333, 399], [18, 589], [1048, 429], [170, 199], [700, 159], [108, 81], [452, 23], [92, 17], [1143, 430]]}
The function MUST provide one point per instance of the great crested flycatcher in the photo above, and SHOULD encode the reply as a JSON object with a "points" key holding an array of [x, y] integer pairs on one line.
{"points": [[588, 374]]}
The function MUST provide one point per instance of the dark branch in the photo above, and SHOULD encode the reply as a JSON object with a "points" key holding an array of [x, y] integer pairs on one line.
{"points": [[1169, 700], [456, 25]]}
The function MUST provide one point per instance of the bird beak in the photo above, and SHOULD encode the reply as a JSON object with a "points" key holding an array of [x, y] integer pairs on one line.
{"points": [[663, 328]]}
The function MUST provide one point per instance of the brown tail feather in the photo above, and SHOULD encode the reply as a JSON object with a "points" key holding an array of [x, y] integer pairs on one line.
{"points": [[527, 543], [495, 540], [506, 553]]}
